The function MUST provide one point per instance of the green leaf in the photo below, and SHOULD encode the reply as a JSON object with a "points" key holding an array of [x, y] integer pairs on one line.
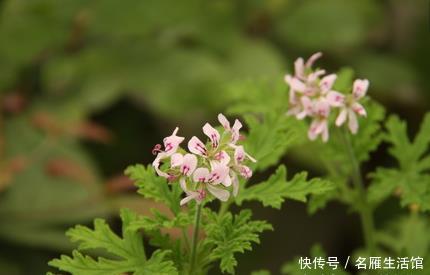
{"points": [[338, 165], [406, 236], [277, 188], [411, 178], [127, 253], [159, 220], [344, 80], [370, 134], [230, 235], [263, 105], [152, 186], [367, 140]]}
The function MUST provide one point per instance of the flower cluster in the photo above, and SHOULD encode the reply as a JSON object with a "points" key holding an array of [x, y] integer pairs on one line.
{"points": [[208, 167], [312, 95]]}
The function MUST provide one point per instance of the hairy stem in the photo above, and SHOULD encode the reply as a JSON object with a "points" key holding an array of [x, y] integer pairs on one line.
{"points": [[364, 209], [195, 238]]}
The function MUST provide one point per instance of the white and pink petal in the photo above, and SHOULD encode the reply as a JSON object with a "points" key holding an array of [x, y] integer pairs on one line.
{"points": [[335, 99], [221, 194], [360, 87], [189, 164], [196, 146], [201, 174], [327, 82], [212, 134], [171, 143]]}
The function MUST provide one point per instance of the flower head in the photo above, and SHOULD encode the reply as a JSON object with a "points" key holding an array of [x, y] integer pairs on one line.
{"points": [[351, 107], [312, 95], [210, 168]]}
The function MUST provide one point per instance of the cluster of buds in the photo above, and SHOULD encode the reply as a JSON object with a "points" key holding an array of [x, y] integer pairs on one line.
{"points": [[212, 167], [312, 95]]}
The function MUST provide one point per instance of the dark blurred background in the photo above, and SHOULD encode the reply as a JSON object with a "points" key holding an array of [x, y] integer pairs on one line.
{"points": [[88, 87]]}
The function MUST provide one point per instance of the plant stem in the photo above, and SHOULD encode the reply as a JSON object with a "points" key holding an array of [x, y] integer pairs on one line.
{"points": [[224, 208], [195, 238], [364, 209]]}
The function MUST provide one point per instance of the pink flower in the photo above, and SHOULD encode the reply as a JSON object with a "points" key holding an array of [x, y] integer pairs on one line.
{"points": [[221, 157], [196, 146], [327, 83], [198, 195], [220, 160], [215, 177], [234, 131], [351, 108], [156, 165], [187, 164], [208, 180], [335, 99], [240, 155], [300, 67], [312, 95], [239, 168], [303, 108], [319, 125], [306, 87], [212, 134], [171, 145]]}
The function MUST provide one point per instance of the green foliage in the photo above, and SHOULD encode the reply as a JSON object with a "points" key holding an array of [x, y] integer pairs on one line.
{"points": [[314, 18], [406, 236], [277, 188], [367, 140], [411, 179], [386, 72], [263, 105], [338, 165], [128, 254], [154, 187], [231, 234], [293, 267], [159, 220]]}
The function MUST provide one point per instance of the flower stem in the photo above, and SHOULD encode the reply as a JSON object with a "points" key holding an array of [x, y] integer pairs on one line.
{"points": [[364, 209], [195, 238], [224, 208]]}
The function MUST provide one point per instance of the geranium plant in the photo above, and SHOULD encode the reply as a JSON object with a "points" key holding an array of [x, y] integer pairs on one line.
{"points": [[198, 181]]}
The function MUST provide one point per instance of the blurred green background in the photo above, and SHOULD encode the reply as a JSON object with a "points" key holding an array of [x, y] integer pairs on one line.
{"points": [[88, 87]]}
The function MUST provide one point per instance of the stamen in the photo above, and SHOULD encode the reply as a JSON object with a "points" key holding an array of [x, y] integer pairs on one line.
{"points": [[157, 149], [171, 178], [185, 169]]}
